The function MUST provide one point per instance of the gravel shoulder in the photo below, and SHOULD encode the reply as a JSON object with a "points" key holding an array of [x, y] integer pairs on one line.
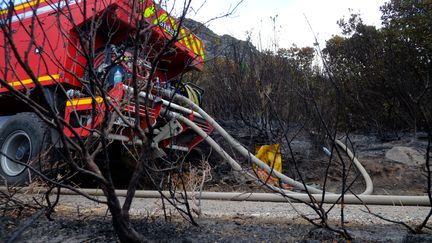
{"points": [[354, 214]]}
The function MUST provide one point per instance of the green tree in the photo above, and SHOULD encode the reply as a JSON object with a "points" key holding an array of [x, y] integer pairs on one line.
{"points": [[408, 30], [386, 70], [411, 22]]}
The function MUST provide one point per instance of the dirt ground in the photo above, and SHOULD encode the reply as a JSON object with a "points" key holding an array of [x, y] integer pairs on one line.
{"points": [[388, 176]]}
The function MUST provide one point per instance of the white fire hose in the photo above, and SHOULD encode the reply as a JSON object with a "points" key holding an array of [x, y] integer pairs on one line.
{"points": [[244, 152], [315, 195]]}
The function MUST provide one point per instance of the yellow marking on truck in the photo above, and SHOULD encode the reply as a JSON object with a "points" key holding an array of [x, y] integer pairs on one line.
{"points": [[161, 18], [184, 37], [169, 27], [40, 79], [173, 23], [200, 47], [21, 6], [191, 37], [84, 101], [188, 41], [150, 11]]}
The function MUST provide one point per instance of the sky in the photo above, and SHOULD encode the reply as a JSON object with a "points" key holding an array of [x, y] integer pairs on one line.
{"points": [[253, 18]]}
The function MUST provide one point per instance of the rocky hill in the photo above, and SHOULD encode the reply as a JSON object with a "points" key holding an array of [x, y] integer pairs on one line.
{"points": [[215, 45]]}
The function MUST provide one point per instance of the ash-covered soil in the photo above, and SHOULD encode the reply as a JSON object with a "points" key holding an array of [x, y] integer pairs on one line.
{"points": [[79, 220], [99, 229]]}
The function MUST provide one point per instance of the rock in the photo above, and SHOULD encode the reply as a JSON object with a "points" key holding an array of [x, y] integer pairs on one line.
{"points": [[405, 155]]}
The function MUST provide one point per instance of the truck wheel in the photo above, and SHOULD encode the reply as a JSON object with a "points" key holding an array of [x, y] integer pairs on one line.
{"points": [[22, 138]]}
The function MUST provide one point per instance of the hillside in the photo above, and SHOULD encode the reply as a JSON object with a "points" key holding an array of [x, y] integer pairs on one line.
{"points": [[215, 45]]}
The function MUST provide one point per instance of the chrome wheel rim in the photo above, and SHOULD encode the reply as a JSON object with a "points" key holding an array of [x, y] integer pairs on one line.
{"points": [[16, 147]]}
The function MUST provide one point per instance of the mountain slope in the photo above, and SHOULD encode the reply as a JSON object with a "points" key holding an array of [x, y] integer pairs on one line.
{"points": [[215, 45]]}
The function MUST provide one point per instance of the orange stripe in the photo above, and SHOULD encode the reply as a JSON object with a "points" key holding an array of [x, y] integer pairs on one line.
{"points": [[84, 101], [30, 81], [21, 6]]}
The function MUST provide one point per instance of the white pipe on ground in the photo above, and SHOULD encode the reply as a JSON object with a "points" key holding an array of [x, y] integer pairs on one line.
{"points": [[239, 147], [236, 166], [363, 172], [394, 200]]}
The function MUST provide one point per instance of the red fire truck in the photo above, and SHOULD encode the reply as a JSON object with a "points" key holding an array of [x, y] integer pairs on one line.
{"points": [[52, 51]]}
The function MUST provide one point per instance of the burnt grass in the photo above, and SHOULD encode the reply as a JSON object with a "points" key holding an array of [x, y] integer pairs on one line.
{"points": [[99, 229]]}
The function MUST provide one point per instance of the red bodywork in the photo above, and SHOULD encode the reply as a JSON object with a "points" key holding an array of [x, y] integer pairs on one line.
{"points": [[55, 54], [56, 57]]}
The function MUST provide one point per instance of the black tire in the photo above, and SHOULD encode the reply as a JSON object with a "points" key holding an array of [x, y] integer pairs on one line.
{"points": [[23, 137]]}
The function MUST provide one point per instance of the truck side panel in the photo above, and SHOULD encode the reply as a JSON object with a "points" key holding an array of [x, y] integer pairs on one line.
{"points": [[33, 39], [55, 55]]}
